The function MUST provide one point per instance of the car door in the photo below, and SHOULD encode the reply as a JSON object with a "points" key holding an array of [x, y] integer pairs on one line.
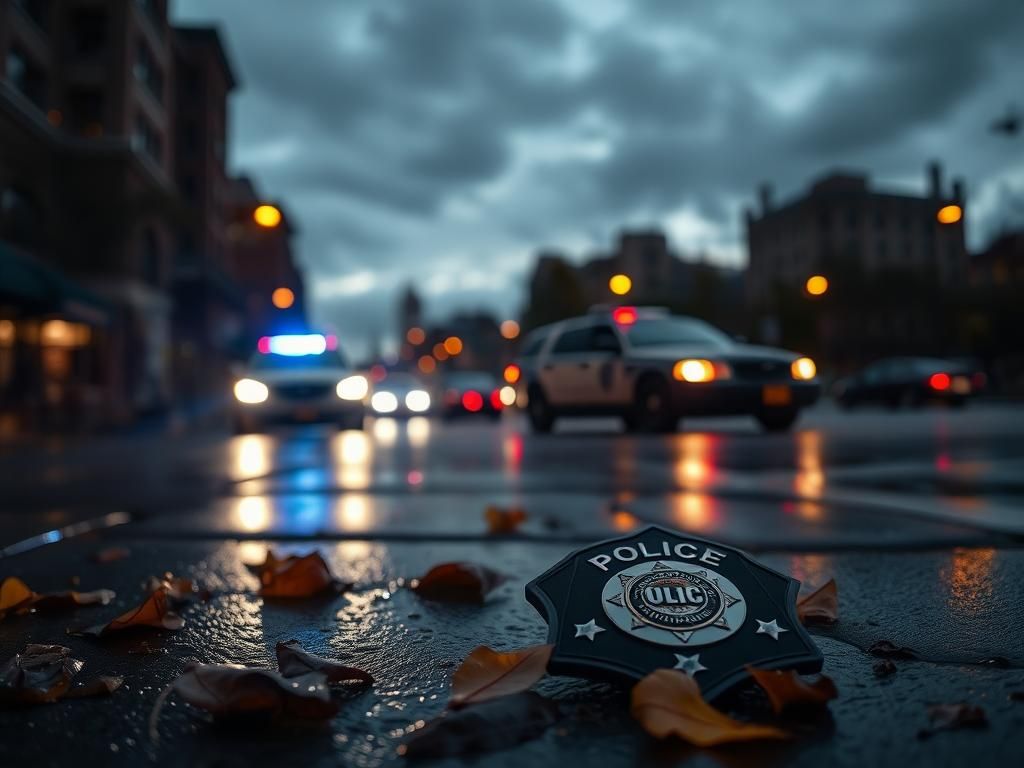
{"points": [[563, 369], [603, 373]]}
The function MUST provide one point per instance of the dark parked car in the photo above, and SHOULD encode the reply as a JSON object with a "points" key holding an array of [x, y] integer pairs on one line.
{"points": [[470, 393], [910, 381]]}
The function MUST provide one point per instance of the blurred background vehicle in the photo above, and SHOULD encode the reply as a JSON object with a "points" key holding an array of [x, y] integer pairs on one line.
{"points": [[298, 378], [652, 368], [911, 381], [400, 394], [469, 393]]}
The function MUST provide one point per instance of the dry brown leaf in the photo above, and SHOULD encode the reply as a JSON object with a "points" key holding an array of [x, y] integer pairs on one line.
{"points": [[111, 554], [787, 689], [104, 685], [41, 674], [668, 703], [293, 660], [500, 520], [488, 674], [153, 612], [950, 717], [489, 726], [15, 595], [458, 583], [820, 606], [231, 690], [296, 576], [178, 588]]}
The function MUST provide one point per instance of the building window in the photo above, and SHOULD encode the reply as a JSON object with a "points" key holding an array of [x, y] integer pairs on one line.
{"points": [[147, 140], [88, 32], [147, 72], [26, 77], [37, 10]]}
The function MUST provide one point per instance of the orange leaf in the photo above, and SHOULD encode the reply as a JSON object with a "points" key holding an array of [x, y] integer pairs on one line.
{"points": [[488, 674], [787, 689], [501, 520], [458, 583], [668, 703], [178, 588], [151, 613], [296, 576], [821, 606], [15, 594]]}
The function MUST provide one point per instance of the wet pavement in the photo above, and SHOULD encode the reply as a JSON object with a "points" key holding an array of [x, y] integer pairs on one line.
{"points": [[917, 515]]}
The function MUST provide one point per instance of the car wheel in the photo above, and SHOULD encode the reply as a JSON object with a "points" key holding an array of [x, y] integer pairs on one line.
{"points": [[652, 409], [542, 418], [777, 419]]}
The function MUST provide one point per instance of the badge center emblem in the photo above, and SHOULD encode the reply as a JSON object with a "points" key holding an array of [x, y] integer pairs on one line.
{"points": [[673, 603]]}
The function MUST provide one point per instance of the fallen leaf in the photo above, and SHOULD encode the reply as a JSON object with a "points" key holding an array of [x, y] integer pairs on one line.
{"points": [[786, 689], [668, 703], [950, 717], [17, 597], [458, 583], [488, 674], [293, 660], [231, 690], [178, 588], [296, 576], [111, 554], [15, 594], [500, 520], [886, 649], [820, 606], [40, 674], [153, 612], [490, 726], [883, 668], [104, 685]]}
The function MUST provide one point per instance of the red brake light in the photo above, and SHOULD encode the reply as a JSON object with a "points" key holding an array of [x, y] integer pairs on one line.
{"points": [[624, 315], [472, 401], [496, 403], [331, 342], [939, 381], [264, 345]]}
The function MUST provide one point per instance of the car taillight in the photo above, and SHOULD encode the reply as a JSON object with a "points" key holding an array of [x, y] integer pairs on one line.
{"points": [[939, 382], [496, 403], [472, 401]]}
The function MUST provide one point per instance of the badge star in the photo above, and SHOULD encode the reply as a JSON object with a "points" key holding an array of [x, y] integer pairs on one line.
{"points": [[588, 630], [689, 664], [770, 628]]}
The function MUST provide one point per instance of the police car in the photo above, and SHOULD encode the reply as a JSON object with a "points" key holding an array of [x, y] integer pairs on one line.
{"points": [[652, 368], [298, 378]]}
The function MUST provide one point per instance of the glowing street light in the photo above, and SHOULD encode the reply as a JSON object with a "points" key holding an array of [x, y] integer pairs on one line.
{"points": [[509, 329], [267, 216], [949, 214], [415, 336], [816, 285], [282, 297], [453, 345], [620, 285]]}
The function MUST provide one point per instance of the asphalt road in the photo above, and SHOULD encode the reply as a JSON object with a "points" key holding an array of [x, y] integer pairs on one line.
{"points": [[919, 517]]}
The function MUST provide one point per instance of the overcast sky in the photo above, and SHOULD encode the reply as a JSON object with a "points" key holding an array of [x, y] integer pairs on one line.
{"points": [[445, 141]]}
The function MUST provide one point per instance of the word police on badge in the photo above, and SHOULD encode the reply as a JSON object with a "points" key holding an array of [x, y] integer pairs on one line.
{"points": [[660, 598]]}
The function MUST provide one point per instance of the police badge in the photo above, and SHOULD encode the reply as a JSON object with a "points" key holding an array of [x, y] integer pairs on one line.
{"points": [[659, 598]]}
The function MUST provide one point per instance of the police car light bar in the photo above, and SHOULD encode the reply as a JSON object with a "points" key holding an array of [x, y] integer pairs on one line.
{"points": [[295, 345]]}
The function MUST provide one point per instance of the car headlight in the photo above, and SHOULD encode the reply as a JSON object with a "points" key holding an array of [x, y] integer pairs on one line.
{"points": [[417, 401], [803, 369], [507, 395], [697, 370], [250, 391], [353, 388], [384, 402]]}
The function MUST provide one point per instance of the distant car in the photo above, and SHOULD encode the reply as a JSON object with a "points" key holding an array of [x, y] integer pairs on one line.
{"points": [[298, 378], [910, 381], [652, 368], [467, 393], [400, 394]]}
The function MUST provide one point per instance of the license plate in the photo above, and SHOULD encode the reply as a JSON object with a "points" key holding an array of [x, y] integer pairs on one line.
{"points": [[776, 394], [305, 414]]}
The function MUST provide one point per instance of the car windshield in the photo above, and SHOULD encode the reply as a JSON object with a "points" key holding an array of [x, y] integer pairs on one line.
{"points": [[399, 381], [327, 360], [674, 330]]}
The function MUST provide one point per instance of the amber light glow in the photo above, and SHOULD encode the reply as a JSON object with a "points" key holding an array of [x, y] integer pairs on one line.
{"points": [[509, 330], [949, 214], [415, 336], [620, 285], [283, 298], [267, 216], [817, 285], [696, 371], [803, 369], [426, 364], [512, 373], [453, 345]]}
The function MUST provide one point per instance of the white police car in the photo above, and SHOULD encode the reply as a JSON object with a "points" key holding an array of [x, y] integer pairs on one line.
{"points": [[298, 378], [652, 368]]}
